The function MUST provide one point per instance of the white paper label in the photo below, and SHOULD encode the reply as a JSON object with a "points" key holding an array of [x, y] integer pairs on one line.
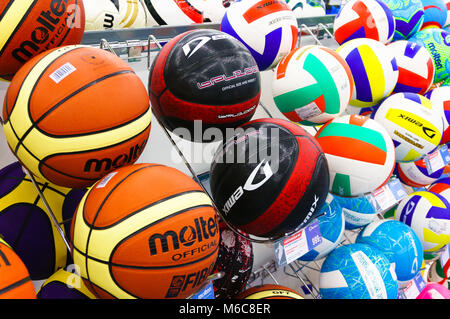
{"points": [[63, 72], [308, 111], [105, 180]]}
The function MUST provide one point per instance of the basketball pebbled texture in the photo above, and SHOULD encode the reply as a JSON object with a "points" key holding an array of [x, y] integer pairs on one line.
{"points": [[282, 201], [204, 75]]}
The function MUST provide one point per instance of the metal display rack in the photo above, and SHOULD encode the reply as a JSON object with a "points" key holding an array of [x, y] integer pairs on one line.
{"points": [[144, 43]]}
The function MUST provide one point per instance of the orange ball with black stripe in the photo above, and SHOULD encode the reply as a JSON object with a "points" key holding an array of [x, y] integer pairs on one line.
{"points": [[269, 292], [73, 114], [15, 281], [145, 231], [30, 27]]}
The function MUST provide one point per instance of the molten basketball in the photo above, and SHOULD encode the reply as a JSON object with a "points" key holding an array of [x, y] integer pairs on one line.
{"points": [[204, 75], [270, 179], [145, 231], [15, 282], [73, 114], [269, 292], [30, 27]]}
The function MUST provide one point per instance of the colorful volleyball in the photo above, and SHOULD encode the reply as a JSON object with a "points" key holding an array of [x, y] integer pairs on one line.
{"points": [[408, 15], [440, 98], [222, 90], [268, 28], [64, 284], [15, 281], [370, 19], [173, 12], [360, 154], [447, 5], [435, 13], [357, 271], [374, 69], [275, 172], [441, 187], [437, 42], [145, 231], [312, 85], [73, 114], [415, 67], [26, 223], [332, 227], [399, 243], [439, 273], [30, 27], [415, 174], [269, 292], [428, 214], [358, 211], [413, 125]]}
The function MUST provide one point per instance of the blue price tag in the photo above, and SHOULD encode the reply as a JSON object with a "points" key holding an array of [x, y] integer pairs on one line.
{"points": [[397, 189], [205, 293], [313, 236], [445, 154]]}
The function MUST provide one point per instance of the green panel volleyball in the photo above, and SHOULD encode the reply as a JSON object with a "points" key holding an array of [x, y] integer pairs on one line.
{"points": [[312, 85]]}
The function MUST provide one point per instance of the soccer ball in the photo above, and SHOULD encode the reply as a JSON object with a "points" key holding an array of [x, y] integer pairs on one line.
{"points": [[101, 15]]}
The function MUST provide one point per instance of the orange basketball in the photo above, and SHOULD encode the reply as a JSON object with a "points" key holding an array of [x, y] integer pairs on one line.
{"points": [[30, 27], [15, 281], [73, 114], [145, 231], [269, 292]]}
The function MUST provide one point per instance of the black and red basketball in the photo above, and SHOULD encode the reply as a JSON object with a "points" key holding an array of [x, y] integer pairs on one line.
{"points": [[235, 260], [204, 75], [270, 179]]}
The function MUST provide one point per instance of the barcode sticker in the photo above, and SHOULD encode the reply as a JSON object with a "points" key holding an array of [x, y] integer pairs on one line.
{"points": [[308, 111], [62, 72], [105, 180]]}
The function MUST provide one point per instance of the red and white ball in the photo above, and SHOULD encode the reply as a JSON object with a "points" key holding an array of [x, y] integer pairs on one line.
{"points": [[415, 67]]}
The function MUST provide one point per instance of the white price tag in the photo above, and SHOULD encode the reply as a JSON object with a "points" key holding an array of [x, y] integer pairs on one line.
{"points": [[434, 161], [300, 243], [414, 287], [445, 255], [387, 195], [384, 197]]}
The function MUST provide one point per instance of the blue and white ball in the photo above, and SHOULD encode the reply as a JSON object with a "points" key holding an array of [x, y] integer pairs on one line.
{"points": [[270, 32], [358, 211], [399, 243], [357, 271], [428, 214], [332, 227]]}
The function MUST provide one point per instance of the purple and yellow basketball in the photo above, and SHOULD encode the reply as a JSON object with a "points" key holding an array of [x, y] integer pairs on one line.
{"points": [[26, 224], [64, 284]]}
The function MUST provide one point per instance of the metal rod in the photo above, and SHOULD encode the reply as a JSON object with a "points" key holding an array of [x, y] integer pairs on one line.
{"points": [[49, 210], [303, 282]]}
